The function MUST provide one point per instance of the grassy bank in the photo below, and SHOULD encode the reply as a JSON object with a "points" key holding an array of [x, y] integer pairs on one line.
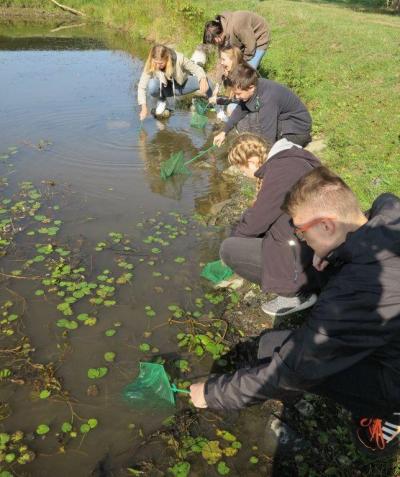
{"points": [[343, 64]]}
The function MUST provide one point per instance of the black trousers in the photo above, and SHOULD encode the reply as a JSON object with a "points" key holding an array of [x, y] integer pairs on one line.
{"points": [[361, 389]]}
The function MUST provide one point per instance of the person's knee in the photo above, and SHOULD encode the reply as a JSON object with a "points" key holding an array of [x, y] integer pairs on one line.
{"points": [[225, 251], [154, 87]]}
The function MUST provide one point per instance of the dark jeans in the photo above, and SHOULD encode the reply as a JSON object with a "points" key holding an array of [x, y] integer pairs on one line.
{"points": [[189, 86], [244, 256], [360, 389]]}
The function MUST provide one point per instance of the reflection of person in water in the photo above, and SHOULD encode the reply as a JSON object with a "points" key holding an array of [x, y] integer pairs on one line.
{"points": [[158, 149]]}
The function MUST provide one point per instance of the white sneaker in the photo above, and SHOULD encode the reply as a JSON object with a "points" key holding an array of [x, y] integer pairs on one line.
{"points": [[282, 305], [160, 108]]}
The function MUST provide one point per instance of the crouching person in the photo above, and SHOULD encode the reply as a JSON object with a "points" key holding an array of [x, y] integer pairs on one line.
{"points": [[349, 348], [262, 247]]}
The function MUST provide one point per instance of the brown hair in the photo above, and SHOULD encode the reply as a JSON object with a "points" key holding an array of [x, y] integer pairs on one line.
{"points": [[248, 145], [243, 76], [160, 53], [323, 191]]}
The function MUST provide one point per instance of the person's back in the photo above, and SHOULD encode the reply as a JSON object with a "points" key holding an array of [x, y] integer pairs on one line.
{"points": [[292, 115], [266, 108]]}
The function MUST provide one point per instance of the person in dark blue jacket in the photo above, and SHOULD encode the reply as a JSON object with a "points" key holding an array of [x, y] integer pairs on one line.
{"points": [[349, 347]]}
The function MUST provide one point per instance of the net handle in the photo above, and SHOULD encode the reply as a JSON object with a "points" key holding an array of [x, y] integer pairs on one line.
{"points": [[178, 390], [201, 153]]}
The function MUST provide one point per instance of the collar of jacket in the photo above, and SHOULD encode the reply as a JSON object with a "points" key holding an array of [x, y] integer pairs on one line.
{"points": [[260, 172], [378, 236], [253, 104]]}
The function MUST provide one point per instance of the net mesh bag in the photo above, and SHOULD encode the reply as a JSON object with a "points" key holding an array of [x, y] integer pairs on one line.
{"points": [[201, 105], [151, 388], [174, 165], [216, 271], [198, 121]]}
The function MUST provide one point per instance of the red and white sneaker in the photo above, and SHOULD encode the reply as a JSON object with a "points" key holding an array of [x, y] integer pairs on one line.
{"points": [[377, 436]]}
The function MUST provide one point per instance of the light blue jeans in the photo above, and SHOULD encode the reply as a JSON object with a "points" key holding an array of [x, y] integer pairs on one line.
{"points": [[256, 60], [189, 86]]}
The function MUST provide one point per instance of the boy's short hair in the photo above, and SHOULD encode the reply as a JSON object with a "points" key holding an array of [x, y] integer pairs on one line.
{"points": [[323, 191], [243, 76]]}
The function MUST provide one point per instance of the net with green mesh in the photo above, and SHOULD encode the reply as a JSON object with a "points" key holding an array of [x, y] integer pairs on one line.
{"points": [[216, 271], [199, 118], [151, 388], [176, 163], [198, 121], [201, 105]]}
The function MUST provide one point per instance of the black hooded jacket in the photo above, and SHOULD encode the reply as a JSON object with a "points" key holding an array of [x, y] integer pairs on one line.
{"points": [[356, 318]]}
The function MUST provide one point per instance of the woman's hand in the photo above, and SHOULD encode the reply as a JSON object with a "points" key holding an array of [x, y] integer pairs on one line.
{"points": [[319, 263], [219, 139], [197, 395], [203, 86], [212, 100], [143, 112]]}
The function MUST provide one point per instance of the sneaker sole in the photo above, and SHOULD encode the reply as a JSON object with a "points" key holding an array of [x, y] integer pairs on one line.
{"points": [[301, 307]]}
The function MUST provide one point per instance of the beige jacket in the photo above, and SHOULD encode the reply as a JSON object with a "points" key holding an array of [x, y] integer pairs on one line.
{"points": [[182, 68], [246, 30]]}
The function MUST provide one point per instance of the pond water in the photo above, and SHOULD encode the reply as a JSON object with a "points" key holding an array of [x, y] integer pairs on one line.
{"points": [[69, 126]]}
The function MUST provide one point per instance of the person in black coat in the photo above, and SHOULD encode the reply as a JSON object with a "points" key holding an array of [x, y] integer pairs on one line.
{"points": [[349, 347], [262, 247]]}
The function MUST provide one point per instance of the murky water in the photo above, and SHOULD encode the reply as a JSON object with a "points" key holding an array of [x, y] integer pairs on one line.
{"points": [[68, 104]]}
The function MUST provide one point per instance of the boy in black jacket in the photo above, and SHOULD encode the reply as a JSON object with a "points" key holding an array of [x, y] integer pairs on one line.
{"points": [[349, 348]]}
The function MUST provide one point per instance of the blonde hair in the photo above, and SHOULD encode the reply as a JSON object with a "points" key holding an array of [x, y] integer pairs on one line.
{"points": [[234, 53], [323, 191], [244, 147], [160, 53]]}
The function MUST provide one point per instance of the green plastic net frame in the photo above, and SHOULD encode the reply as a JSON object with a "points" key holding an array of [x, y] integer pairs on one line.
{"points": [[151, 388]]}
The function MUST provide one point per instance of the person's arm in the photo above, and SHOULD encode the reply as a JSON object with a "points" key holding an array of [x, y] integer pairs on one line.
{"points": [[340, 332], [141, 93], [238, 114], [193, 68]]}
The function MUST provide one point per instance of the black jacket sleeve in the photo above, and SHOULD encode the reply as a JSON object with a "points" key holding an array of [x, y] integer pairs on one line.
{"points": [[336, 337]]}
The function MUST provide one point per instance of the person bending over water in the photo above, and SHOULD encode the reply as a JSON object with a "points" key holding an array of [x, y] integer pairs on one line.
{"points": [[266, 108], [348, 349], [245, 30], [262, 247], [168, 73]]}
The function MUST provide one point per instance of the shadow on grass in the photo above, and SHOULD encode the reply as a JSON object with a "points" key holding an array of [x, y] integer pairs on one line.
{"points": [[386, 7]]}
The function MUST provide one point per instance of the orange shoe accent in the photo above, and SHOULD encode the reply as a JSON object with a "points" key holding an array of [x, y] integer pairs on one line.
{"points": [[375, 431]]}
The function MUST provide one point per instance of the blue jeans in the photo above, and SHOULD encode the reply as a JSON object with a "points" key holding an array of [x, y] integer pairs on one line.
{"points": [[256, 60], [189, 86]]}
